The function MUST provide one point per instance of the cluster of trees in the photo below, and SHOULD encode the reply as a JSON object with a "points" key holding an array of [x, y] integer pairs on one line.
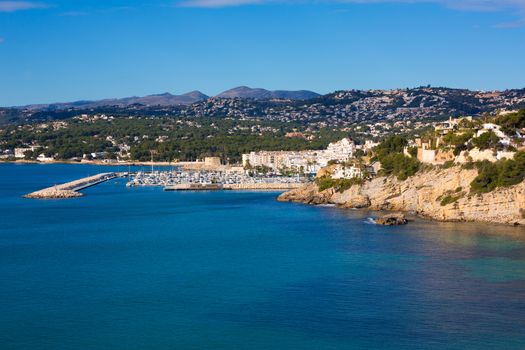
{"points": [[393, 160], [466, 141], [229, 147], [339, 185], [487, 140], [166, 138], [458, 141], [503, 173], [510, 122]]}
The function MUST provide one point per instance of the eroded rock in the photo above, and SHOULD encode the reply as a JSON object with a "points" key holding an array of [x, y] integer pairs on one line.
{"points": [[423, 194], [393, 219]]}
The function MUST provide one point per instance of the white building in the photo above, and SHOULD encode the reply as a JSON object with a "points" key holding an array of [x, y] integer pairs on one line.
{"points": [[348, 172], [307, 161], [20, 152], [369, 145], [341, 150], [503, 138], [42, 158]]}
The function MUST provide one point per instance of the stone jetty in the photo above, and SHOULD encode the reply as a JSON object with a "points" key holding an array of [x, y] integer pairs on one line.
{"points": [[70, 189]]}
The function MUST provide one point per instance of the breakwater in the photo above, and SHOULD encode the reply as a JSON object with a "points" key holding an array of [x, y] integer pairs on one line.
{"points": [[71, 189]]}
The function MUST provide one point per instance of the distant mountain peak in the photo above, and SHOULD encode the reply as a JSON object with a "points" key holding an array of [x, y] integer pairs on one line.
{"points": [[263, 94], [196, 94]]}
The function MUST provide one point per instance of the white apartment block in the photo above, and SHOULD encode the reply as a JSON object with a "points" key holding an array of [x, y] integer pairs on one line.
{"points": [[348, 172], [20, 152], [308, 161]]}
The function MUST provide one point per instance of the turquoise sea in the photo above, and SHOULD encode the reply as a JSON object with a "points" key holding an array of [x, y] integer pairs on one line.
{"points": [[145, 269]]}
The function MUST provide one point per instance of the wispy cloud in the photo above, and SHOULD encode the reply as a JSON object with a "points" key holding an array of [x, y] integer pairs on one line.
{"points": [[512, 24], [220, 3], [516, 7], [1, 40], [12, 6], [471, 5]]}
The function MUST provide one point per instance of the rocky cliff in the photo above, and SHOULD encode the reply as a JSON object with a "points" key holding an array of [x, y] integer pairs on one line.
{"points": [[440, 194]]}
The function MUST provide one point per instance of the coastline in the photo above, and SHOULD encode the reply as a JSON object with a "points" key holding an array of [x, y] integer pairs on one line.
{"points": [[419, 196], [424, 195]]}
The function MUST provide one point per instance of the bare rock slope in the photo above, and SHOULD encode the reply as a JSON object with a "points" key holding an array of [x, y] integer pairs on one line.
{"points": [[440, 194]]}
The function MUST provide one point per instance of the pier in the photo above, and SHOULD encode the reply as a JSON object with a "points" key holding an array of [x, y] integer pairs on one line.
{"points": [[71, 189]]}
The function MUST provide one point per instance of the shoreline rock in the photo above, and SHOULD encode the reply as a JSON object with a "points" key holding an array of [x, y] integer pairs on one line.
{"points": [[423, 195], [394, 219]]}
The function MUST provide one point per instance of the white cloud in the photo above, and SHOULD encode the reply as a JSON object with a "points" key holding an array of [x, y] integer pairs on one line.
{"points": [[1, 40], [471, 5], [12, 6], [513, 24], [220, 3], [516, 7]]}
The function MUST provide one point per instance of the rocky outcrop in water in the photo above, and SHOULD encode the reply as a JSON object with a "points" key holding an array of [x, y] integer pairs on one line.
{"points": [[440, 194], [52, 193], [395, 219]]}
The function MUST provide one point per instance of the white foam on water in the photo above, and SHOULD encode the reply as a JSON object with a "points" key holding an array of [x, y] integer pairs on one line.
{"points": [[370, 221]]}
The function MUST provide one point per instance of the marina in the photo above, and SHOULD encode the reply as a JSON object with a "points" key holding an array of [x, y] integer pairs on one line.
{"points": [[214, 180], [175, 180]]}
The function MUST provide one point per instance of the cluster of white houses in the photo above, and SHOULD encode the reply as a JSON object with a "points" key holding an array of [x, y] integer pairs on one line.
{"points": [[306, 161], [432, 153]]}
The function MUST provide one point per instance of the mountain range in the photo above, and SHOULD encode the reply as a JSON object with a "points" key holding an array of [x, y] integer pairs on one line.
{"points": [[167, 99], [336, 108]]}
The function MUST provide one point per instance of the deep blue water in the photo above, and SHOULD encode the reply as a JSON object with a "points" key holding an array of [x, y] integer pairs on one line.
{"points": [[145, 269]]}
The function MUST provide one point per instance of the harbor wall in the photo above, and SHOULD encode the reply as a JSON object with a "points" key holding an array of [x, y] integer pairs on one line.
{"points": [[70, 189]]}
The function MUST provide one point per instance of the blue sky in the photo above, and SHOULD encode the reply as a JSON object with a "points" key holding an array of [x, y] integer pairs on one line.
{"points": [[58, 50]]}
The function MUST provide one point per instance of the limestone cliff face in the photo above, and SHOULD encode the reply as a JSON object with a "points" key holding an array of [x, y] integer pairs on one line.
{"points": [[423, 194]]}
